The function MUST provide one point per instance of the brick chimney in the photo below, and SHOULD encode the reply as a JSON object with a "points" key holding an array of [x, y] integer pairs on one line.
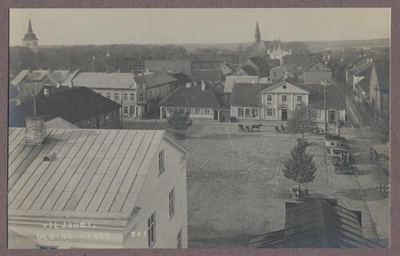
{"points": [[35, 131]]}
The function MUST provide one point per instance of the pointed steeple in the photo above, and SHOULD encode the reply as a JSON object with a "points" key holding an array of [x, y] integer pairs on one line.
{"points": [[257, 35], [30, 26]]}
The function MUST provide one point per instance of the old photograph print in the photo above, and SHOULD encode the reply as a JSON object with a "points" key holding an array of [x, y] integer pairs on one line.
{"points": [[199, 128]]}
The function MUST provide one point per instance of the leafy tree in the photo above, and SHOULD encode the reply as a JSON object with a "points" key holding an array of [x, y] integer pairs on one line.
{"points": [[300, 167], [179, 121], [302, 120]]}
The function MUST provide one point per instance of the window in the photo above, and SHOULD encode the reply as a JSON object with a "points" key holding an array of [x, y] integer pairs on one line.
{"points": [[284, 98], [132, 108], [116, 96], [189, 110], [254, 112], [125, 110], [151, 93], [161, 161], [274, 74], [151, 230], [240, 112], [108, 95], [299, 98], [269, 97], [140, 97], [248, 112], [197, 111], [172, 203], [132, 96], [207, 111], [125, 96], [179, 240], [269, 112], [47, 81]]}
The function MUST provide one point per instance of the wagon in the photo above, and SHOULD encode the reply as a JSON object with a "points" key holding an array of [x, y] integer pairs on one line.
{"points": [[348, 169]]}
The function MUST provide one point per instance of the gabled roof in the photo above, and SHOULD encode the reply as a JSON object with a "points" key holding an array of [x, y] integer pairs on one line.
{"points": [[38, 75], [382, 68], [101, 80], [247, 94], [230, 80], [181, 77], [193, 97], [96, 174], [297, 59], [282, 81], [206, 75], [173, 66], [156, 79], [249, 70], [324, 67], [72, 104], [361, 70], [335, 97], [316, 223], [60, 123], [259, 62]]}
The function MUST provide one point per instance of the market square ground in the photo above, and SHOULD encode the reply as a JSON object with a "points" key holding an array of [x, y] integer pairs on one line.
{"points": [[236, 187]]}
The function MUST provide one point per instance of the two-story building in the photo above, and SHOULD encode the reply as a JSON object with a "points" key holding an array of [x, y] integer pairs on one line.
{"points": [[99, 189], [136, 94], [30, 82]]}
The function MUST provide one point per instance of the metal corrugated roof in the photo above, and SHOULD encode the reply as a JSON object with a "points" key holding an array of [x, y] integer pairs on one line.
{"points": [[94, 171]]}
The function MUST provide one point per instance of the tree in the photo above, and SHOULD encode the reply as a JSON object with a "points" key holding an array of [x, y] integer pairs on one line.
{"points": [[179, 121], [300, 167], [302, 120]]}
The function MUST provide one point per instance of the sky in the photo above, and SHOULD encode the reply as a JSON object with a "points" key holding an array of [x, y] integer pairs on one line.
{"points": [[186, 26]]}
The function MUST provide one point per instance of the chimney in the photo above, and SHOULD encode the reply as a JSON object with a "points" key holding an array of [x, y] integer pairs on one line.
{"points": [[35, 131], [46, 92], [203, 86], [188, 85], [58, 84], [71, 84]]}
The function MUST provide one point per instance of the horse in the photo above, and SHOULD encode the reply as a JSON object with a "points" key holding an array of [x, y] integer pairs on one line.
{"points": [[256, 126]]}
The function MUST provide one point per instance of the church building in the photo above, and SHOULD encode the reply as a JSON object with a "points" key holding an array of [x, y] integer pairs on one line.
{"points": [[30, 40]]}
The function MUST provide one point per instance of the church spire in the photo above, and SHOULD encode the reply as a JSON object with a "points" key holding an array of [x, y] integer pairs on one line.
{"points": [[257, 35], [30, 26]]}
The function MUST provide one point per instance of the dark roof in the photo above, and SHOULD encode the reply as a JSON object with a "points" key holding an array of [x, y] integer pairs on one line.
{"points": [[181, 77], [318, 223], [335, 97], [297, 59], [72, 104], [259, 62], [382, 68], [192, 97], [361, 70], [365, 82], [349, 62], [247, 94], [274, 63], [12, 91], [250, 71], [207, 75], [207, 58]]}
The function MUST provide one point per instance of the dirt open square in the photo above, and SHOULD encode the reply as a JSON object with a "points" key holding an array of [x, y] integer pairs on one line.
{"points": [[236, 187]]}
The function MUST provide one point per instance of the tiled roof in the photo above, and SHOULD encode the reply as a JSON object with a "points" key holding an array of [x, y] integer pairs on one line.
{"points": [[230, 80], [247, 95], [95, 173], [335, 97], [156, 79], [60, 123], [317, 223], [206, 75], [382, 68], [173, 66], [101, 80], [192, 97], [72, 104]]}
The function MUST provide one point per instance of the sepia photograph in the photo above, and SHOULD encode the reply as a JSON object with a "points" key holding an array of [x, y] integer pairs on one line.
{"points": [[226, 128]]}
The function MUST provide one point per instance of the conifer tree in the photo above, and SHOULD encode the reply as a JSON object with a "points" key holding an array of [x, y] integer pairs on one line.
{"points": [[300, 167]]}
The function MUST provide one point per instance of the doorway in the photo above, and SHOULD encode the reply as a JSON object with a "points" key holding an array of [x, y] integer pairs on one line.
{"points": [[284, 114]]}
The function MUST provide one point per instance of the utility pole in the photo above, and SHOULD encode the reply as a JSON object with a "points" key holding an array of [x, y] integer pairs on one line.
{"points": [[155, 108], [325, 116]]}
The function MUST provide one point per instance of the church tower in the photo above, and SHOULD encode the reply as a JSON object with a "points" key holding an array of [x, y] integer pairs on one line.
{"points": [[30, 40], [257, 35]]}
